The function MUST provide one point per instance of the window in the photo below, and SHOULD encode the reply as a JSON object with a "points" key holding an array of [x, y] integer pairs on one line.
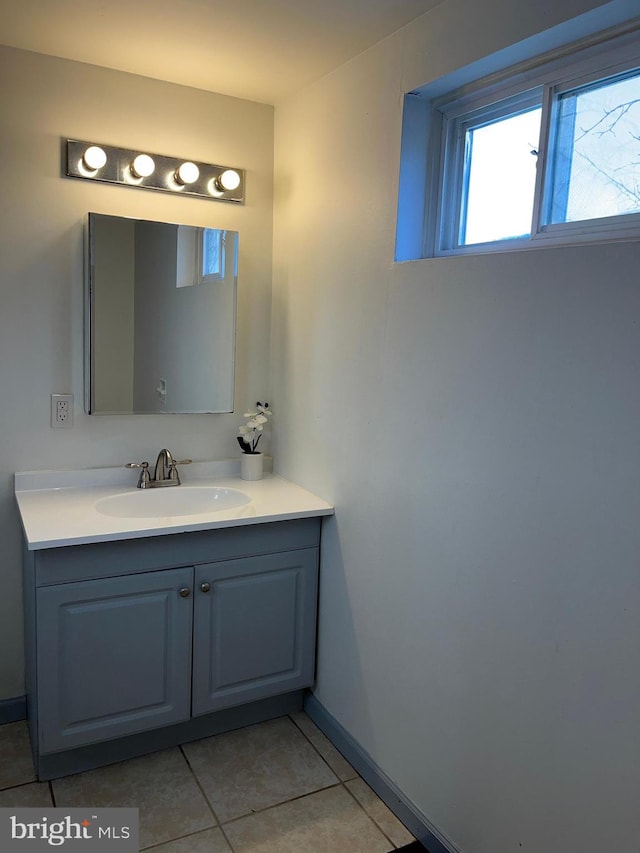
{"points": [[490, 172], [541, 155], [200, 256], [594, 161], [212, 254]]}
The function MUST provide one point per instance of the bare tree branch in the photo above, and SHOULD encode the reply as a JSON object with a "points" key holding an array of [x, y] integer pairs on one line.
{"points": [[622, 187], [621, 109]]}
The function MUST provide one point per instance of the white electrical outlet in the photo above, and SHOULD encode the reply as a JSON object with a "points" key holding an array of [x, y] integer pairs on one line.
{"points": [[62, 411]]}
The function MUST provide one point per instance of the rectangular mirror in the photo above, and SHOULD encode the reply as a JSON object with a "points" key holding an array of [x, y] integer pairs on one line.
{"points": [[161, 317]]}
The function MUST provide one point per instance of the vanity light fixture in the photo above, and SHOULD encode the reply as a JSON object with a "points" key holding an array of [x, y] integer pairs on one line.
{"points": [[187, 173], [133, 168], [228, 180], [94, 158], [143, 166]]}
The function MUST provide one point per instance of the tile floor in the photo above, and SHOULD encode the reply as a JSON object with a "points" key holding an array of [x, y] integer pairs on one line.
{"points": [[275, 787]]}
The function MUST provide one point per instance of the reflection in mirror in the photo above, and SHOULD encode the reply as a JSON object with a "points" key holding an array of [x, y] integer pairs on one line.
{"points": [[161, 317]]}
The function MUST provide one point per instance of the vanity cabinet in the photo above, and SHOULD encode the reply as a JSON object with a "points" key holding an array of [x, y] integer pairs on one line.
{"points": [[113, 657], [167, 633], [254, 628]]}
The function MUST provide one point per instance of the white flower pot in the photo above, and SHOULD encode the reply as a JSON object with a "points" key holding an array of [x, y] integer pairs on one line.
{"points": [[251, 465]]}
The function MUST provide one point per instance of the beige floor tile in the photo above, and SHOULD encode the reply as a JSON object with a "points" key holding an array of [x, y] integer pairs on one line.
{"points": [[380, 813], [209, 841], [160, 785], [257, 767], [16, 766], [328, 821], [36, 795], [327, 750]]}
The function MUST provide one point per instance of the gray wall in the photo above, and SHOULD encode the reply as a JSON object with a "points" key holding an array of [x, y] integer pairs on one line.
{"points": [[476, 421], [41, 272]]}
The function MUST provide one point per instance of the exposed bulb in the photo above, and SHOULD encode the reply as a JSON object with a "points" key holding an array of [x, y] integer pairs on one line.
{"points": [[228, 180], [94, 158], [143, 166], [187, 173]]}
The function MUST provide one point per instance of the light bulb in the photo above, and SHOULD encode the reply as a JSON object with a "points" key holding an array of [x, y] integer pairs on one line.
{"points": [[229, 180], [187, 173], [143, 166], [94, 158]]}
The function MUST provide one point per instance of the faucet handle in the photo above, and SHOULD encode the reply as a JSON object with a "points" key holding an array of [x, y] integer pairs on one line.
{"points": [[143, 480], [173, 469]]}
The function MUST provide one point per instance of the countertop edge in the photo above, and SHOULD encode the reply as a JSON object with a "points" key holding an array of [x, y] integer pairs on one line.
{"points": [[121, 536]]}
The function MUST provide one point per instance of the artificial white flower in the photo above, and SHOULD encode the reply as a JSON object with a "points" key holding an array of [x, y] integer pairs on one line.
{"points": [[250, 433]]}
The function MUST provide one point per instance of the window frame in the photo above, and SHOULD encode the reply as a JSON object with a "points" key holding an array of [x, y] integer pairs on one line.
{"points": [[455, 124], [544, 78]]}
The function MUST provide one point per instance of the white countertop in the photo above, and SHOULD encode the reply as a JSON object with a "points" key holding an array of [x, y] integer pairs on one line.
{"points": [[57, 508]]}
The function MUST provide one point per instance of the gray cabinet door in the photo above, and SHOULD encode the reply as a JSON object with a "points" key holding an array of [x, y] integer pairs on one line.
{"points": [[254, 628], [113, 657]]}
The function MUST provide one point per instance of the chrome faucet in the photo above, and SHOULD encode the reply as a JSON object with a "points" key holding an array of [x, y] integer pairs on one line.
{"points": [[165, 467], [165, 474]]}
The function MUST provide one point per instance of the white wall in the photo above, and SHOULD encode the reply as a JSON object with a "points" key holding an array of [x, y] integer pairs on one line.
{"points": [[41, 272], [476, 421]]}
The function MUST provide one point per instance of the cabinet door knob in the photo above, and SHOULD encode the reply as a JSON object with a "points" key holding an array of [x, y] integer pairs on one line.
{"points": [[185, 592], [205, 587]]}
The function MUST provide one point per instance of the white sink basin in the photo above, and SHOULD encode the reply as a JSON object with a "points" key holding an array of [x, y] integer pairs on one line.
{"points": [[171, 501]]}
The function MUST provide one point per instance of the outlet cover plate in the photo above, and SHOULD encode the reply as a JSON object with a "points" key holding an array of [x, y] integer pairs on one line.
{"points": [[62, 411]]}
